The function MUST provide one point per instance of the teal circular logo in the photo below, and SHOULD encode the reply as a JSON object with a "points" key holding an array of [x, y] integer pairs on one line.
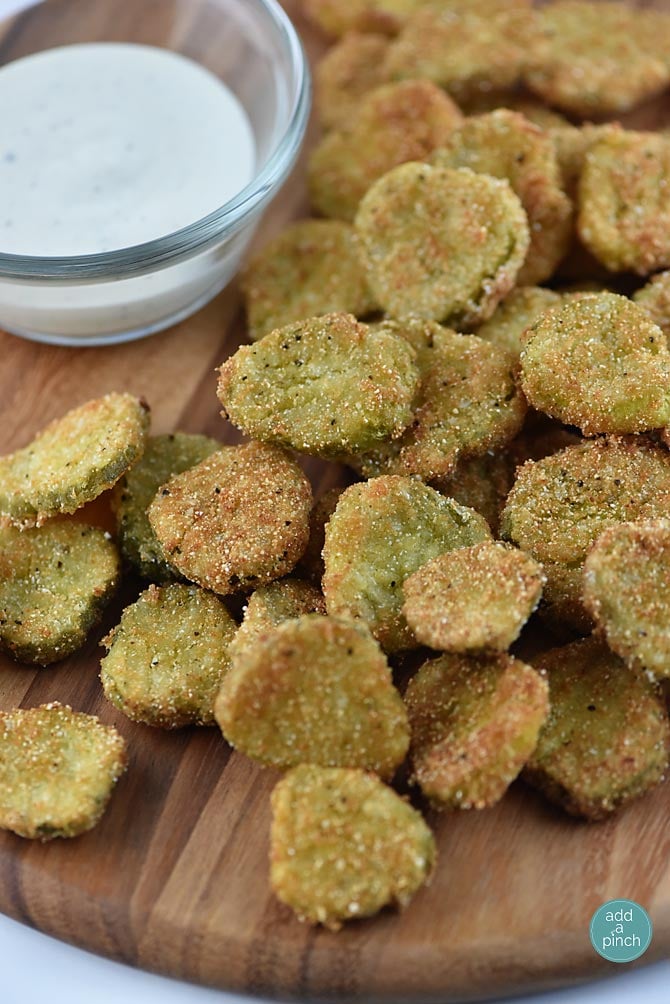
{"points": [[620, 930]]}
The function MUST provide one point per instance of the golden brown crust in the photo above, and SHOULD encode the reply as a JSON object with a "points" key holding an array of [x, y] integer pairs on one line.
{"points": [[347, 72]]}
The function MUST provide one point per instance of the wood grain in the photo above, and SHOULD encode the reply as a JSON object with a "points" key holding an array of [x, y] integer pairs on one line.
{"points": [[175, 877]]}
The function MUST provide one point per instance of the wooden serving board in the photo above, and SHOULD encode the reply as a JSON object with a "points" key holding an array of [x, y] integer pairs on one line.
{"points": [[174, 879]]}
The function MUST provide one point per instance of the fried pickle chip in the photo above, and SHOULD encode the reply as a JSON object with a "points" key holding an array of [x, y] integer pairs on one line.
{"points": [[58, 768], [380, 533], [343, 845], [607, 737], [348, 71], [561, 504], [475, 723], [624, 212], [324, 386], [627, 589], [481, 483], [273, 604], [466, 404], [314, 689], [474, 599], [598, 362], [440, 244], [655, 299], [466, 47], [518, 311], [311, 563], [572, 144], [394, 124], [504, 144], [533, 109], [55, 581], [235, 521], [167, 657], [313, 267], [134, 493], [73, 460], [337, 18], [594, 58]]}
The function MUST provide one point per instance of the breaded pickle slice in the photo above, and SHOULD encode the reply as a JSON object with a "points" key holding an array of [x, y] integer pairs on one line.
{"points": [[607, 737], [237, 520], [475, 723], [482, 483], [572, 145], [55, 581], [164, 456], [474, 599], [167, 657], [272, 605], [627, 589], [393, 124], [467, 403], [380, 533], [343, 845], [347, 72], [522, 308], [440, 244], [624, 216], [73, 460], [312, 267], [595, 59], [598, 362], [336, 18], [58, 768], [314, 689], [506, 145], [466, 47], [532, 108], [655, 299], [311, 563], [324, 386], [561, 504]]}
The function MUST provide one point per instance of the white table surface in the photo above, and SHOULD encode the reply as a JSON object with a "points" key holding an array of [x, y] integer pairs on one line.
{"points": [[36, 969]]}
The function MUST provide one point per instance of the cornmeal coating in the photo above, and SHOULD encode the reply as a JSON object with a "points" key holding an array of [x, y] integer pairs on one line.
{"points": [[517, 101], [314, 689], [624, 210], [595, 58], [655, 299], [627, 589], [167, 657], [55, 581], [311, 563], [572, 144], [393, 124], [561, 504], [522, 308], [347, 72], [324, 386], [164, 456], [343, 845], [607, 737], [312, 267], [336, 18], [562, 607], [600, 363], [475, 599], [467, 403], [235, 521], [273, 604], [466, 48], [58, 768], [475, 723], [441, 244], [504, 144], [381, 532], [481, 483], [73, 460]]}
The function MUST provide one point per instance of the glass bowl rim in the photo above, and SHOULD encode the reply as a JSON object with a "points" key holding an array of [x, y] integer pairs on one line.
{"points": [[209, 229]]}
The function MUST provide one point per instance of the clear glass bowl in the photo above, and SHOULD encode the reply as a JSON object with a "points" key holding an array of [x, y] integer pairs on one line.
{"points": [[121, 295]]}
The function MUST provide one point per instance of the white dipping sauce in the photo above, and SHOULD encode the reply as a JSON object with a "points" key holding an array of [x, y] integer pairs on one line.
{"points": [[107, 145]]}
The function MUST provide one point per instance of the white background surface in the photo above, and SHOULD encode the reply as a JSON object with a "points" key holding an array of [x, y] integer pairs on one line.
{"points": [[35, 969]]}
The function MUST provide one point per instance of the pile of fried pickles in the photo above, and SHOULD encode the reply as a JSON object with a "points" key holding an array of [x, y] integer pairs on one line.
{"points": [[450, 328]]}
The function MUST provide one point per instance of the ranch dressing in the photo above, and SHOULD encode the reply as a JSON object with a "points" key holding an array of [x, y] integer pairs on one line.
{"points": [[108, 145]]}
